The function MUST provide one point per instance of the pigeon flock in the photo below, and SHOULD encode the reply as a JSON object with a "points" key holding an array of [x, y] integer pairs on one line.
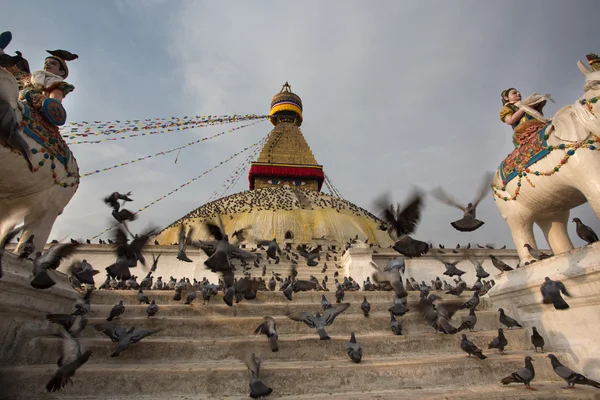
{"points": [[225, 256]]}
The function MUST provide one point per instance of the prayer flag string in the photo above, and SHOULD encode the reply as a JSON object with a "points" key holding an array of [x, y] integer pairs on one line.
{"points": [[162, 153], [183, 185]]}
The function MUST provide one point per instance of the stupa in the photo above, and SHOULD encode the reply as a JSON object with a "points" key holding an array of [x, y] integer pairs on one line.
{"points": [[284, 200]]}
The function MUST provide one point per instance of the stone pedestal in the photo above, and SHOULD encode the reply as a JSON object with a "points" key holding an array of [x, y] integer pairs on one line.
{"points": [[23, 309], [573, 332]]}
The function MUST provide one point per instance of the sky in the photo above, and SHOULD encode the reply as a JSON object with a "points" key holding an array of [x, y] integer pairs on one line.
{"points": [[395, 93]]}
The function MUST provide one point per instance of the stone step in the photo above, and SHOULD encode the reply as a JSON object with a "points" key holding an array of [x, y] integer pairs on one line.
{"points": [[219, 326], [229, 378], [166, 297], [546, 390], [291, 347], [248, 308]]}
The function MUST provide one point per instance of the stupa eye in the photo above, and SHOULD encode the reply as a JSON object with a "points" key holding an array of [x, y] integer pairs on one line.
{"points": [[273, 181], [299, 183]]}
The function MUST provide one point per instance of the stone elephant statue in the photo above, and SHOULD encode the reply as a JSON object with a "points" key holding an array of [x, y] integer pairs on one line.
{"points": [[541, 183], [39, 192]]}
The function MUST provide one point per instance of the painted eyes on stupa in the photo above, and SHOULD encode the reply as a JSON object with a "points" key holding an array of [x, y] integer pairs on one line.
{"points": [[277, 182]]}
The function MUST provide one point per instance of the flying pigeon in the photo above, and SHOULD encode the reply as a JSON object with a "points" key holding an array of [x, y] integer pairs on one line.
{"points": [[72, 357], [551, 291], [318, 320], [50, 260], [258, 388], [269, 328]]}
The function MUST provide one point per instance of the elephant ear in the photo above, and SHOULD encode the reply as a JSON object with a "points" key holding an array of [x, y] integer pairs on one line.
{"points": [[566, 127]]}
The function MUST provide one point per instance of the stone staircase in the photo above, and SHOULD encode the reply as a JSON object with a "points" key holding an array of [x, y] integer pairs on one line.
{"points": [[198, 352]]}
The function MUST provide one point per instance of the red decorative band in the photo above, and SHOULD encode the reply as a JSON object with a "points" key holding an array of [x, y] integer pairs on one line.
{"points": [[313, 173]]}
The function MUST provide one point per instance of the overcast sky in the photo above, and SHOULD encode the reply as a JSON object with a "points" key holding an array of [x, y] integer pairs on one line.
{"points": [[395, 93]]}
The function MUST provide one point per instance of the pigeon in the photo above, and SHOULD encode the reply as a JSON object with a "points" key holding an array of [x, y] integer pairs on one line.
{"points": [[403, 222], [123, 336], [468, 222], [398, 307], [146, 283], [535, 253], [499, 264], [470, 348], [524, 375], [50, 260], [479, 271], [311, 257], [184, 240], [116, 311], [395, 325], [142, 298], [128, 254], [84, 272], [537, 340], [5, 39], [73, 324], [339, 294], [499, 342], [469, 322], [473, 302], [551, 291], [325, 304], [354, 349], [72, 357], [258, 388], [318, 320], [123, 215], [191, 296], [155, 262], [152, 309], [365, 306], [451, 269], [507, 321], [391, 276], [83, 307], [273, 250], [439, 316], [113, 200], [571, 377], [585, 232], [269, 328]]}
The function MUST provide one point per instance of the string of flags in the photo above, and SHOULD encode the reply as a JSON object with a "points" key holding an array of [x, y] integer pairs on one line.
{"points": [[184, 185], [162, 153], [155, 129]]}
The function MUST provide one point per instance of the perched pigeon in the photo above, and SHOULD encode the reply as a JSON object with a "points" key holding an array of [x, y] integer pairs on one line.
{"points": [[535, 253], [470, 348], [469, 322], [84, 272], [191, 296], [395, 325], [318, 320], [325, 304], [468, 222], [524, 375], [507, 321], [354, 349], [116, 311], [142, 298], [365, 306], [473, 302], [269, 328], [501, 265], [70, 360], [258, 388], [499, 342], [571, 377], [398, 307], [585, 232], [152, 309], [537, 340], [551, 291]]}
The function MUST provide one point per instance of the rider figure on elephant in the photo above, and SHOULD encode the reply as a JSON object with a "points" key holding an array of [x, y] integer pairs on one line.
{"points": [[525, 121]]}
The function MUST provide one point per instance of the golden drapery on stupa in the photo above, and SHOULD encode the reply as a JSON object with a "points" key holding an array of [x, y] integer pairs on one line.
{"points": [[284, 200]]}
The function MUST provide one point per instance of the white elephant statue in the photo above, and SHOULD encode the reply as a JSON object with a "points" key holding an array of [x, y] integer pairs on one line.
{"points": [[37, 194], [543, 182]]}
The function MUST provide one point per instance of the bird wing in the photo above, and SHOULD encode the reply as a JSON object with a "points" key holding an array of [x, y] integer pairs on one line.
{"points": [[56, 253], [64, 54], [562, 288], [563, 372], [71, 348], [138, 243], [181, 241], [305, 317], [439, 194], [236, 252], [114, 332], [214, 231], [334, 311], [484, 189], [448, 309], [142, 333]]}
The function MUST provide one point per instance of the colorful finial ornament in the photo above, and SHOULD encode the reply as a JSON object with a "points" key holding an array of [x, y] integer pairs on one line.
{"points": [[286, 105], [62, 56], [594, 61], [5, 39]]}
